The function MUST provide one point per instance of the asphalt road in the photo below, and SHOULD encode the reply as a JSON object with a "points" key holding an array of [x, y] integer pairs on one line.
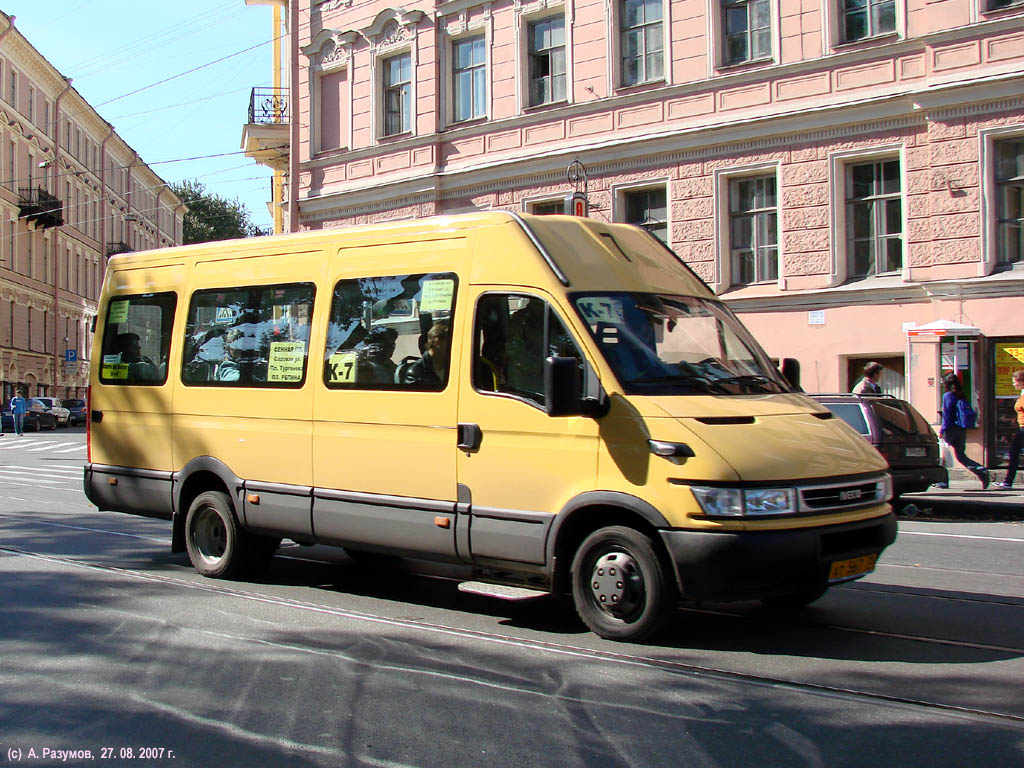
{"points": [[114, 651]]}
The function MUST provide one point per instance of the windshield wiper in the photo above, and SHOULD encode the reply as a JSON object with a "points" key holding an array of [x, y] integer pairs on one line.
{"points": [[706, 385], [752, 380]]}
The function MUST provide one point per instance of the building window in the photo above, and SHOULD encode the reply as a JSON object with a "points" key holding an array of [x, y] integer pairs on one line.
{"points": [[333, 104], [753, 230], [874, 218], [747, 27], [547, 60], [642, 41], [995, 5], [646, 208], [397, 94], [469, 78], [548, 208], [1010, 200], [30, 107], [862, 19]]}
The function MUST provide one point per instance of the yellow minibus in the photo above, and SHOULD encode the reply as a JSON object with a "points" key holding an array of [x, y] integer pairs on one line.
{"points": [[556, 403]]}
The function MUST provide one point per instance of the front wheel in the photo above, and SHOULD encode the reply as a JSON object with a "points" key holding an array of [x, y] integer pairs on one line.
{"points": [[622, 589], [214, 540]]}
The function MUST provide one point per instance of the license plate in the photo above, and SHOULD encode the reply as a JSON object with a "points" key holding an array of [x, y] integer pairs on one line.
{"points": [[842, 570], [917, 452]]}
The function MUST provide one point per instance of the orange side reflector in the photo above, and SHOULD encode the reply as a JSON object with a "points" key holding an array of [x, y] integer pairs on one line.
{"points": [[442, 522], [252, 498], [112, 480]]}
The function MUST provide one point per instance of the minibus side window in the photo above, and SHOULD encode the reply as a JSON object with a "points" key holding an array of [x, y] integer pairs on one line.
{"points": [[512, 336], [137, 339], [392, 332], [252, 336]]}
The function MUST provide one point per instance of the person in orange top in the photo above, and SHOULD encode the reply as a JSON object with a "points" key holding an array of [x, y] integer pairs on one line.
{"points": [[1018, 440]]}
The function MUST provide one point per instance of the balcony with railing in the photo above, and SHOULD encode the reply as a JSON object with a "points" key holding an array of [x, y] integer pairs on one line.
{"points": [[38, 206], [265, 137], [117, 247]]}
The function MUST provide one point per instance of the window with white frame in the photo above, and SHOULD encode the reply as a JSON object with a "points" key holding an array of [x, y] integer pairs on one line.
{"points": [[469, 78], [1009, 200], [874, 218], [641, 41], [547, 63], [862, 19], [647, 208], [547, 207], [746, 31], [397, 92], [753, 230]]}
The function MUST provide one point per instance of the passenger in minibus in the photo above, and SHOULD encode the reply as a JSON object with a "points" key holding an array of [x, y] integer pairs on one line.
{"points": [[140, 367], [431, 370]]}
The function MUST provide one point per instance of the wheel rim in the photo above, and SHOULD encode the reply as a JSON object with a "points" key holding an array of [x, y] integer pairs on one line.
{"points": [[209, 535], [617, 585]]}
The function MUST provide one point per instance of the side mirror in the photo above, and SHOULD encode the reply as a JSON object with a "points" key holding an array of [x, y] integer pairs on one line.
{"points": [[562, 387], [791, 372]]}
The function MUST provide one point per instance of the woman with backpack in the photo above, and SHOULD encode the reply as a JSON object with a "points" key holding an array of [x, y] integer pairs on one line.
{"points": [[957, 418]]}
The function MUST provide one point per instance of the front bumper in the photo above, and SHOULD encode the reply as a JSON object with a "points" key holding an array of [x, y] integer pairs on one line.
{"points": [[754, 564]]}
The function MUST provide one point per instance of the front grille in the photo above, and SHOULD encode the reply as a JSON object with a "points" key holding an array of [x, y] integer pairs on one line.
{"points": [[841, 496]]}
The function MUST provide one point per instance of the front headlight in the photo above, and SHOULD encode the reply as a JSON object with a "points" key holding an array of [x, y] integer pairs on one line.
{"points": [[735, 502], [887, 488], [719, 502], [770, 501]]}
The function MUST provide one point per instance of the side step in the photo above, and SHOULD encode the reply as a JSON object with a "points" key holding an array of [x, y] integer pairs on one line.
{"points": [[500, 590]]}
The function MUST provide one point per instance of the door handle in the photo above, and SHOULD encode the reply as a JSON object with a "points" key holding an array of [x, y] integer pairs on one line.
{"points": [[470, 436]]}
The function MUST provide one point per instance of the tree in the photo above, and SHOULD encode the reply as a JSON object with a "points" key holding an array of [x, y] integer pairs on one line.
{"points": [[211, 217]]}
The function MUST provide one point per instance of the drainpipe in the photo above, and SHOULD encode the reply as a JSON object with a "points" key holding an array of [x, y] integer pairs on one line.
{"points": [[56, 241], [3, 34], [293, 123]]}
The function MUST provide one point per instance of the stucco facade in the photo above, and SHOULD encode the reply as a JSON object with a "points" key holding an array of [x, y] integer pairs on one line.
{"points": [[72, 194], [841, 174]]}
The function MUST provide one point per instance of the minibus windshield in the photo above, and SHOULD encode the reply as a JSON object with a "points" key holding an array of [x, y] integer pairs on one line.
{"points": [[676, 345]]}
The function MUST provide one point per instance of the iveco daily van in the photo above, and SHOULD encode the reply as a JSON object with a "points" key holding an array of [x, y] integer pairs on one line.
{"points": [[555, 402]]}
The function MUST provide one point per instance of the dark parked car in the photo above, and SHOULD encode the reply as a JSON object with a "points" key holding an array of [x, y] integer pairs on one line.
{"points": [[899, 432], [77, 408], [37, 416]]}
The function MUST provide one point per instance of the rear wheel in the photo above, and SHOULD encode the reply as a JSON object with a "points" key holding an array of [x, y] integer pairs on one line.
{"points": [[215, 542], [622, 589]]}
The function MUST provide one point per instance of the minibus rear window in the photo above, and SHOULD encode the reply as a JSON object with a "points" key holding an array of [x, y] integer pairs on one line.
{"points": [[137, 339], [250, 336]]}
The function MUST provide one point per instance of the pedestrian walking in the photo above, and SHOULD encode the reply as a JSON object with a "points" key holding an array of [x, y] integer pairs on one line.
{"points": [[957, 418], [18, 408], [1017, 445], [868, 385]]}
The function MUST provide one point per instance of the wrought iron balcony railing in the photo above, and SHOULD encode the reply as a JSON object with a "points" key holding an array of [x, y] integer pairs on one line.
{"points": [[268, 106], [117, 247], [39, 206]]}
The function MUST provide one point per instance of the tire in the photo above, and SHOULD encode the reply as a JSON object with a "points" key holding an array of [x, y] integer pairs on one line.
{"points": [[54, 427], [795, 600], [216, 544], [633, 608]]}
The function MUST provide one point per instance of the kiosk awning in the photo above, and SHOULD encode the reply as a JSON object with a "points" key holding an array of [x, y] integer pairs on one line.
{"points": [[941, 328]]}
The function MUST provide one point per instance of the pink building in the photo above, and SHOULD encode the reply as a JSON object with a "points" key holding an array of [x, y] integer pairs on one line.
{"points": [[847, 174]]}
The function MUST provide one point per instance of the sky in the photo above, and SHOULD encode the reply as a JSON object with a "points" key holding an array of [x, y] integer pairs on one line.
{"points": [[118, 54]]}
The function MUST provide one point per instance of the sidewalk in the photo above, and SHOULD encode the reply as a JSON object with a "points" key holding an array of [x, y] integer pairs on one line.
{"points": [[965, 499]]}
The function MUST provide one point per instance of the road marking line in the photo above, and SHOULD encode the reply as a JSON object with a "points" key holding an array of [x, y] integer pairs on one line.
{"points": [[959, 536], [71, 450], [21, 476], [55, 468]]}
